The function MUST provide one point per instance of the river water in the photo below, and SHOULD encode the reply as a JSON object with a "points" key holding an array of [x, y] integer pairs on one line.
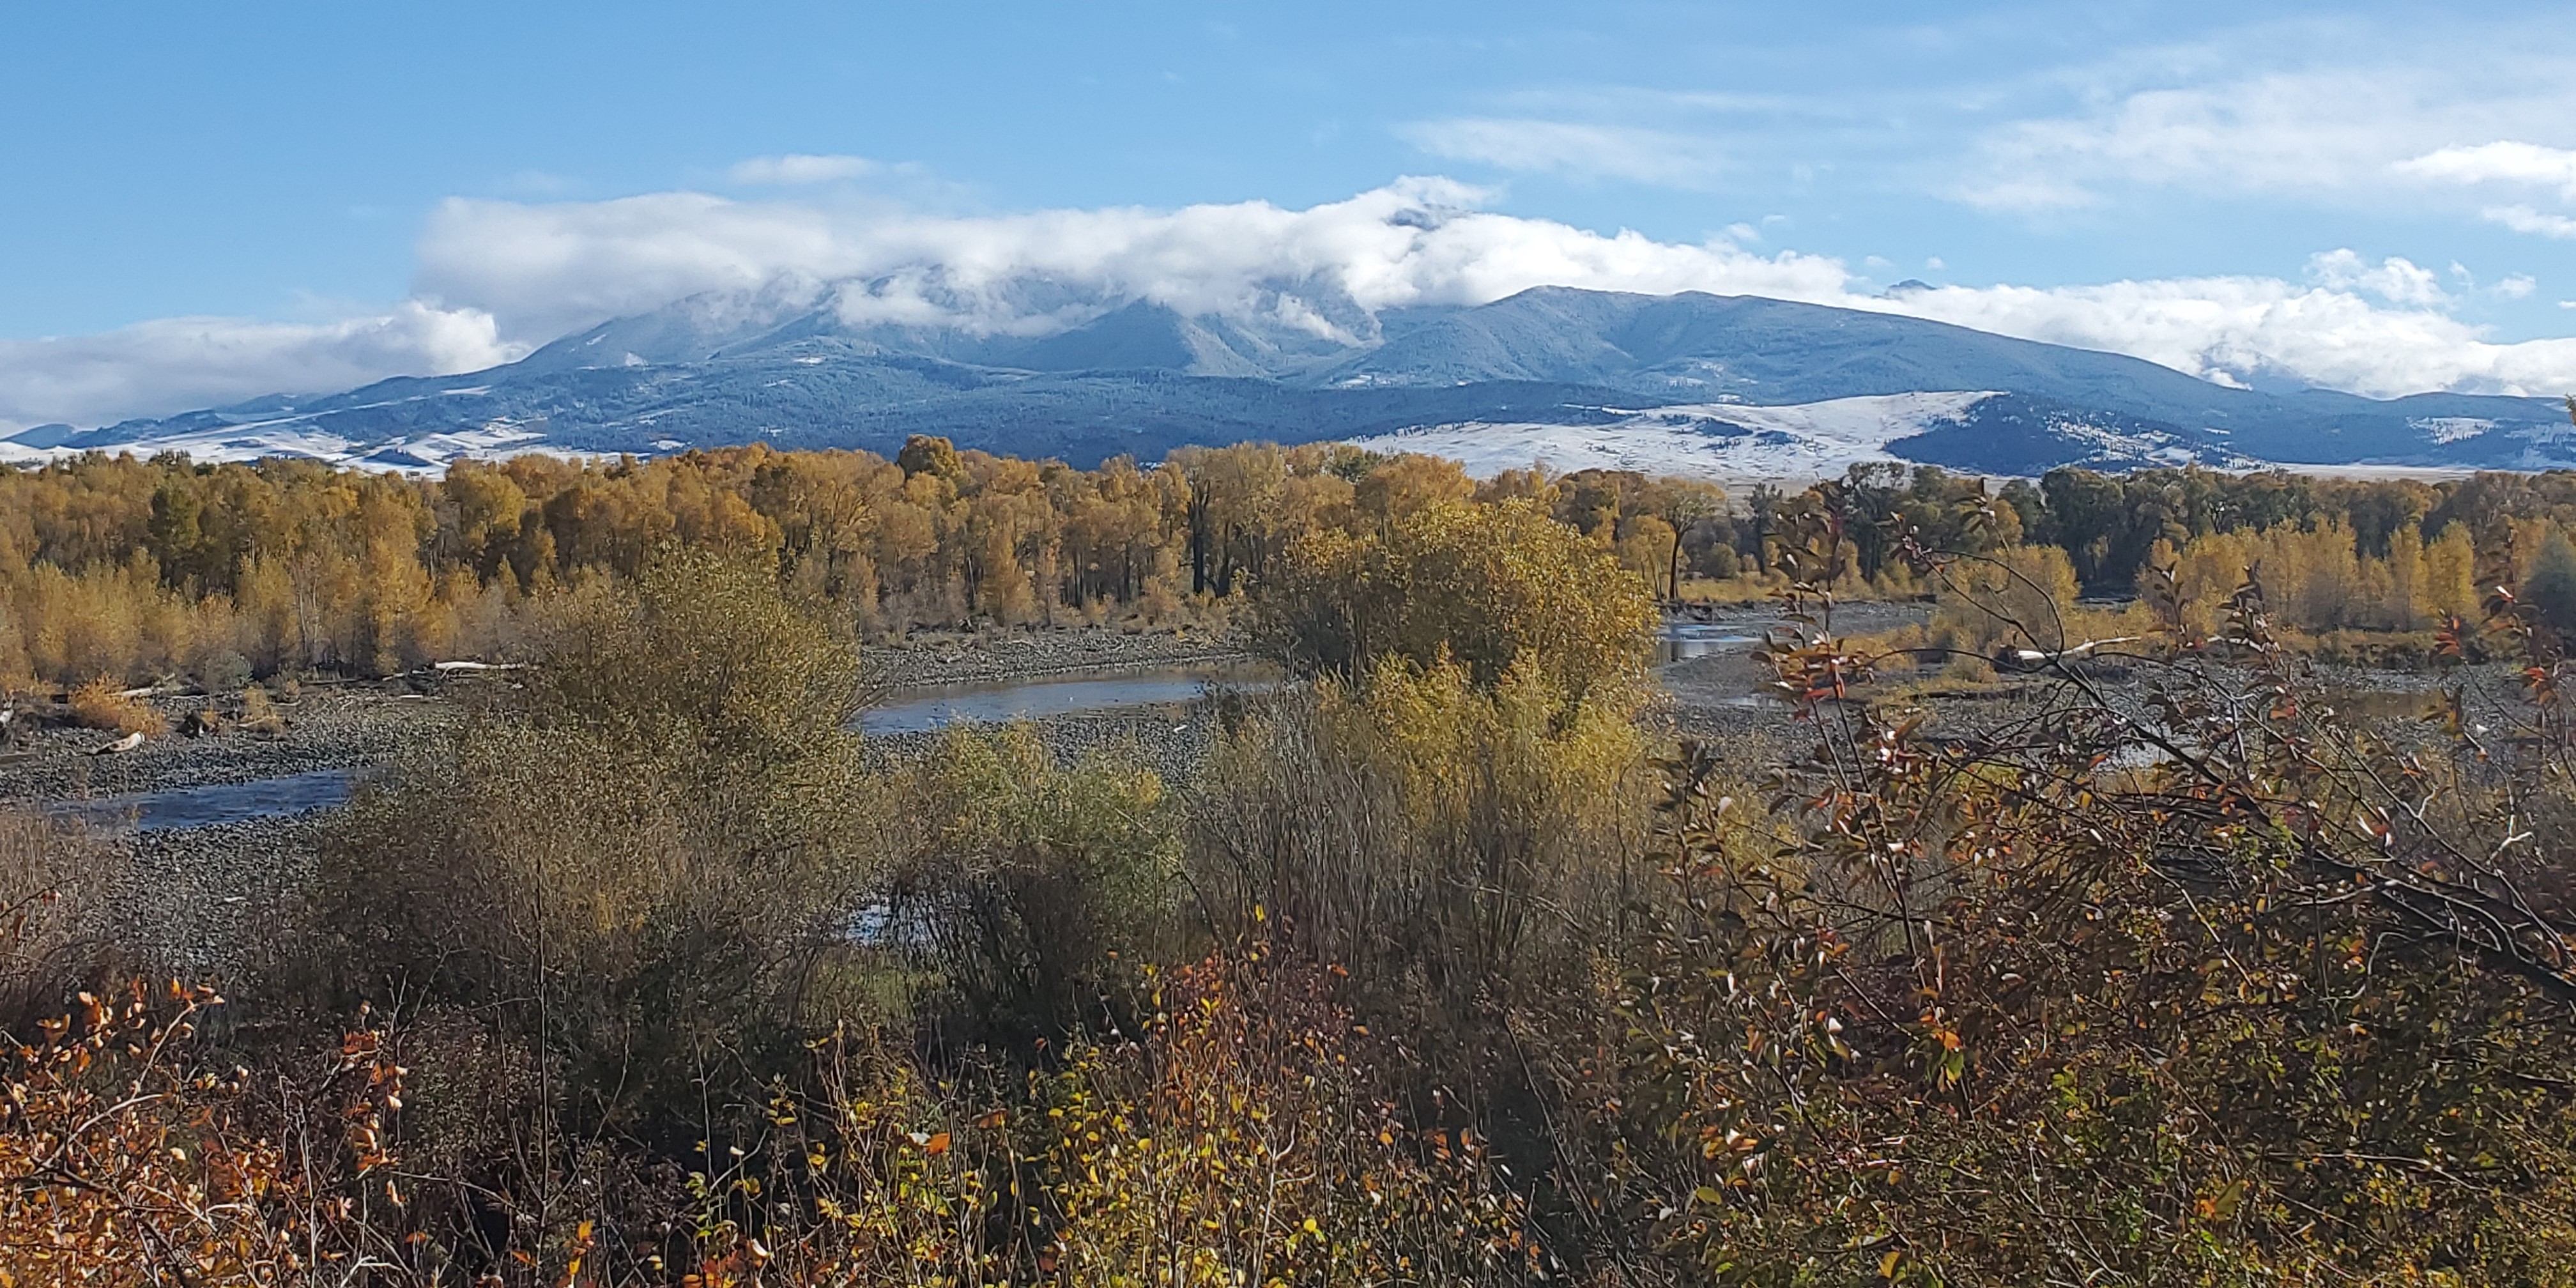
{"points": [[912, 712], [214, 802]]}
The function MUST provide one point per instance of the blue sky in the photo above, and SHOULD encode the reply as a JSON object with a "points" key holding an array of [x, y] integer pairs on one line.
{"points": [[205, 203]]}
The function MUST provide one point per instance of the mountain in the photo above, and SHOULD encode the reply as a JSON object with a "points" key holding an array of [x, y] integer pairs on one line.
{"points": [[1696, 347], [1721, 385]]}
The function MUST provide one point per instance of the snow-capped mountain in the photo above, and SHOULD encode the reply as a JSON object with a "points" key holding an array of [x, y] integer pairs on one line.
{"points": [[1731, 385]]}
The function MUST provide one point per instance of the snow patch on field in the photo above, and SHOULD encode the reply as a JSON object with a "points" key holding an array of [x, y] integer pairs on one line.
{"points": [[295, 438], [2451, 429], [1802, 441], [226, 443]]}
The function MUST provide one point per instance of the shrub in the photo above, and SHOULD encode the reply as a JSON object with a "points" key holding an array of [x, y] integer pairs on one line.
{"points": [[1414, 828], [1246, 1141], [635, 864], [2551, 588], [127, 1162], [102, 704], [1490, 587], [2021, 598], [223, 671], [54, 884], [259, 715], [1243, 1138], [1029, 880], [2283, 1001]]}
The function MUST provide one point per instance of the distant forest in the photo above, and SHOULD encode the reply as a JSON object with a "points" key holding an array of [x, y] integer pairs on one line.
{"points": [[146, 569]]}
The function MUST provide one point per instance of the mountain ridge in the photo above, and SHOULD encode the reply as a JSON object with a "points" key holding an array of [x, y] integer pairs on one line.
{"points": [[811, 365]]}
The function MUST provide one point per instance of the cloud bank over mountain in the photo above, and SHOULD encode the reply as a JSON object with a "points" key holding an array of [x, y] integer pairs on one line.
{"points": [[495, 278], [547, 269], [159, 366]]}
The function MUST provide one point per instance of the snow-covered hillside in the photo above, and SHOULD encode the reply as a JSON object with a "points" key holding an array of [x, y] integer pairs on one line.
{"points": [[296, 437], [1801, 442]]}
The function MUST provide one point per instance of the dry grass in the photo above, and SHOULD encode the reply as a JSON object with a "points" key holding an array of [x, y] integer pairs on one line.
{"points": [[103, 704], [259, 715]]}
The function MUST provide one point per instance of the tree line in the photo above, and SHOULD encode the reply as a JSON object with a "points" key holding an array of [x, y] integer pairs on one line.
{"points": [[144, 569]]}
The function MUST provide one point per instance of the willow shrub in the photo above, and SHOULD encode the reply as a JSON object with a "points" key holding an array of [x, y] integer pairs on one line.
{"points": [[1454, 800], [55, 886], [1422, 832], [1023, 882], [1488, 587], [130, 1161], [2216, 987], [636, 860], [1245, 1134]]}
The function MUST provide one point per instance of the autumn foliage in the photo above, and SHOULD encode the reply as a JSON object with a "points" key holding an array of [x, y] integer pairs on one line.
{"points": [[2170, 960], [129, 1162]]}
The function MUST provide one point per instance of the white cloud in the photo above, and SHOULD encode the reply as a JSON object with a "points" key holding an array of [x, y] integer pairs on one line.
{"points": [[1567, 148], [2517, 286], [2232, 329], [547, 269], [2395, 280], [173, 364], [2506, 161], [2379, 328], [2524, 219], [2338, 131], [798, 168]]}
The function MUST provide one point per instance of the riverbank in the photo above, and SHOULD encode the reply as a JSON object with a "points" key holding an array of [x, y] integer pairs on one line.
{"points": [[199, 898], [341, 726], [1084, 688], [199, 903]]}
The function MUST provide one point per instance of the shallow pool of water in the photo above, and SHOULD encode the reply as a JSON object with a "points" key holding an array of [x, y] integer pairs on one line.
{"points": [[922, 710], [1682, 641], [214, 803]]}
